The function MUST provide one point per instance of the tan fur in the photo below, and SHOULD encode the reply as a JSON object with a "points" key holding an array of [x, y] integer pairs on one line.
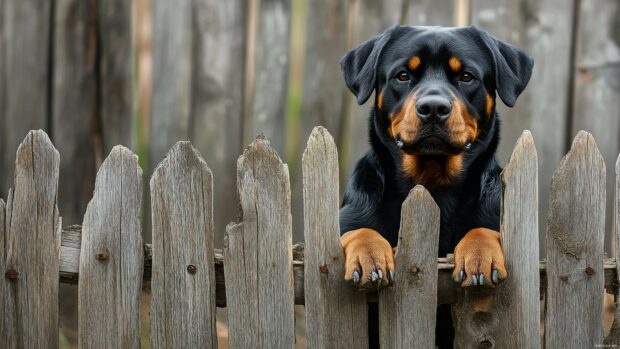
{"points": [[455, 64], [366, 250], [414, 62], [479, 252]]}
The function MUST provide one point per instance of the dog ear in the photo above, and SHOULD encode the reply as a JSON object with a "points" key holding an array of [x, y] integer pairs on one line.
{"points": [[513, 68], [359, 66]]}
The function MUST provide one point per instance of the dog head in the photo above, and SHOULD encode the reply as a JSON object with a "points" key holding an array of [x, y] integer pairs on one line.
{"points": [[435, 91]]}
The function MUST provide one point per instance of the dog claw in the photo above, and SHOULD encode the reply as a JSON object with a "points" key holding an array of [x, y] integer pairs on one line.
{"points": [[373, 276], [481, 280], [474, 280], [460, 276], [356, 277], [494, 275], [390, 276], [380, 272]]}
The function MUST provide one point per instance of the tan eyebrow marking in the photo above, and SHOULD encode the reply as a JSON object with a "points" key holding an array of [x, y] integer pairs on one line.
{"points": [[455, 64], [414, 62], [380, 100]]}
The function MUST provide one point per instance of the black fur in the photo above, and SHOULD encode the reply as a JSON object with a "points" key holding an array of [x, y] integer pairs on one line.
{"points": [[378, 185]]}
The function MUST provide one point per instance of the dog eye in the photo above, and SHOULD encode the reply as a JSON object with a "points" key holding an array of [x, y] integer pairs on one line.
{"points": [[467, 77], [403, 76]]}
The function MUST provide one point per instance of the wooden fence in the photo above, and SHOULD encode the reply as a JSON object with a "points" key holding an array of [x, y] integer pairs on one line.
{"points": [[265, 275], [221, 71]]}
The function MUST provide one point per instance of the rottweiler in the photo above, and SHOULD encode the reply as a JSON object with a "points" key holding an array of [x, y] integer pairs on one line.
{"points": [[434, 123]]}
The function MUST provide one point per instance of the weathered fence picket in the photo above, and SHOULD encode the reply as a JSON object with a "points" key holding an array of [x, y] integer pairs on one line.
{"points": [[111, 256], [32, 247], [336, 313], [614, 333], [575, 232], [407, 310], [259, 264], [481, 316], [258, 260], [183, 282]]}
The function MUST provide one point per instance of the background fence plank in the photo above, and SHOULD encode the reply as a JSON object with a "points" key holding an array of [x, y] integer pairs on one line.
{"points": [[575, 248], [116, 73], [217, 103], [111, 256], [33, 247], [596, 94], [183, 301], [268, 76], [24, 86], [544, 30], [407, 310], [74, 104], [336, 313], [257, 254]]}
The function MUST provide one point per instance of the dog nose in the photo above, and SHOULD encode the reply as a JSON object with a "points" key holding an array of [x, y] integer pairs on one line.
{"points": [[433, 109]]}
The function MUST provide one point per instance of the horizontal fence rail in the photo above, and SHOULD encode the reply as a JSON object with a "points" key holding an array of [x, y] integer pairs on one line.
{"points": [[260, 275]]}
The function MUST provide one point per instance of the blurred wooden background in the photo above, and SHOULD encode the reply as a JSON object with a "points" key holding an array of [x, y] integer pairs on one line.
{"points": [[147, 73]]}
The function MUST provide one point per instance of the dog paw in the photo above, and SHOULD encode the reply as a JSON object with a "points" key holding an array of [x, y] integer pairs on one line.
{"points": [[479, 259], [369, 259]]}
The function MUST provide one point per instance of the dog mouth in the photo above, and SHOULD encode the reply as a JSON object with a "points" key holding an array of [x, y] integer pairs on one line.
{"points": [[432, 145]]}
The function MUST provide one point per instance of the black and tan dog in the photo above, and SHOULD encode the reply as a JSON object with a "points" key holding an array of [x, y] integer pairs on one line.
{"points": [[434, 123]]}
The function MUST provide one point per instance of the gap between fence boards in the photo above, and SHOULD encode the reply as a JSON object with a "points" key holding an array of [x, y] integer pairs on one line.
{"points": [[446, 288]]}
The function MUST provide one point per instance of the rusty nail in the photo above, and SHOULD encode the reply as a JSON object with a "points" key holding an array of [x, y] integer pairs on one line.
{"points": [[323, 269], [589, 271], [191, 269], [564, 278], [12, 274], [102, 255]]}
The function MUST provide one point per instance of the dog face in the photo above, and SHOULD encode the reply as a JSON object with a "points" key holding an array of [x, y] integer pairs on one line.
{"points": [[435, 94]]}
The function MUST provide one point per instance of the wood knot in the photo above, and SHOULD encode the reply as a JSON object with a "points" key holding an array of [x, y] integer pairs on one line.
{"points": [[564, 278], [590, 271], [12, 274], [191, 269], [414, 269], [103, 255], [323, 269]]}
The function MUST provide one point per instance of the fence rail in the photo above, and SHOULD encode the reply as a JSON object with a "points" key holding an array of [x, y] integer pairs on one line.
{"points": [[266, 275]]}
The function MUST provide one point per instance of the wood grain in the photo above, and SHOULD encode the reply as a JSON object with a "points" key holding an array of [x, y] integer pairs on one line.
{"points": [[32, 247], [24, 84], [575, 234], [336, 312], [116, 73], [257, 254], [217, 102], [111, 256], [596, 94], [183, 280], [268, 76], [75, 104], [407, 310]]}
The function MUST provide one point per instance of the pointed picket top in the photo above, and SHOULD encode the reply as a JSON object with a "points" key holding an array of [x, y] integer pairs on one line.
{"points": [[336, 312], [575, 233], [111, 257], [415, 280], [261, 245], [183, 303], [32, 220]]}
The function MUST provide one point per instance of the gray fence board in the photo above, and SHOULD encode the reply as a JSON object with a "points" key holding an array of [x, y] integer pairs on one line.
{"points": [[269, 80], [575, 249], [75, 104], [257, 254], [116, 73], [336, 312], [3, 284], [111, 256], [183, 286], [407, 310], [33, 247], [596, 94], [217, 104], [24, 86]]}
